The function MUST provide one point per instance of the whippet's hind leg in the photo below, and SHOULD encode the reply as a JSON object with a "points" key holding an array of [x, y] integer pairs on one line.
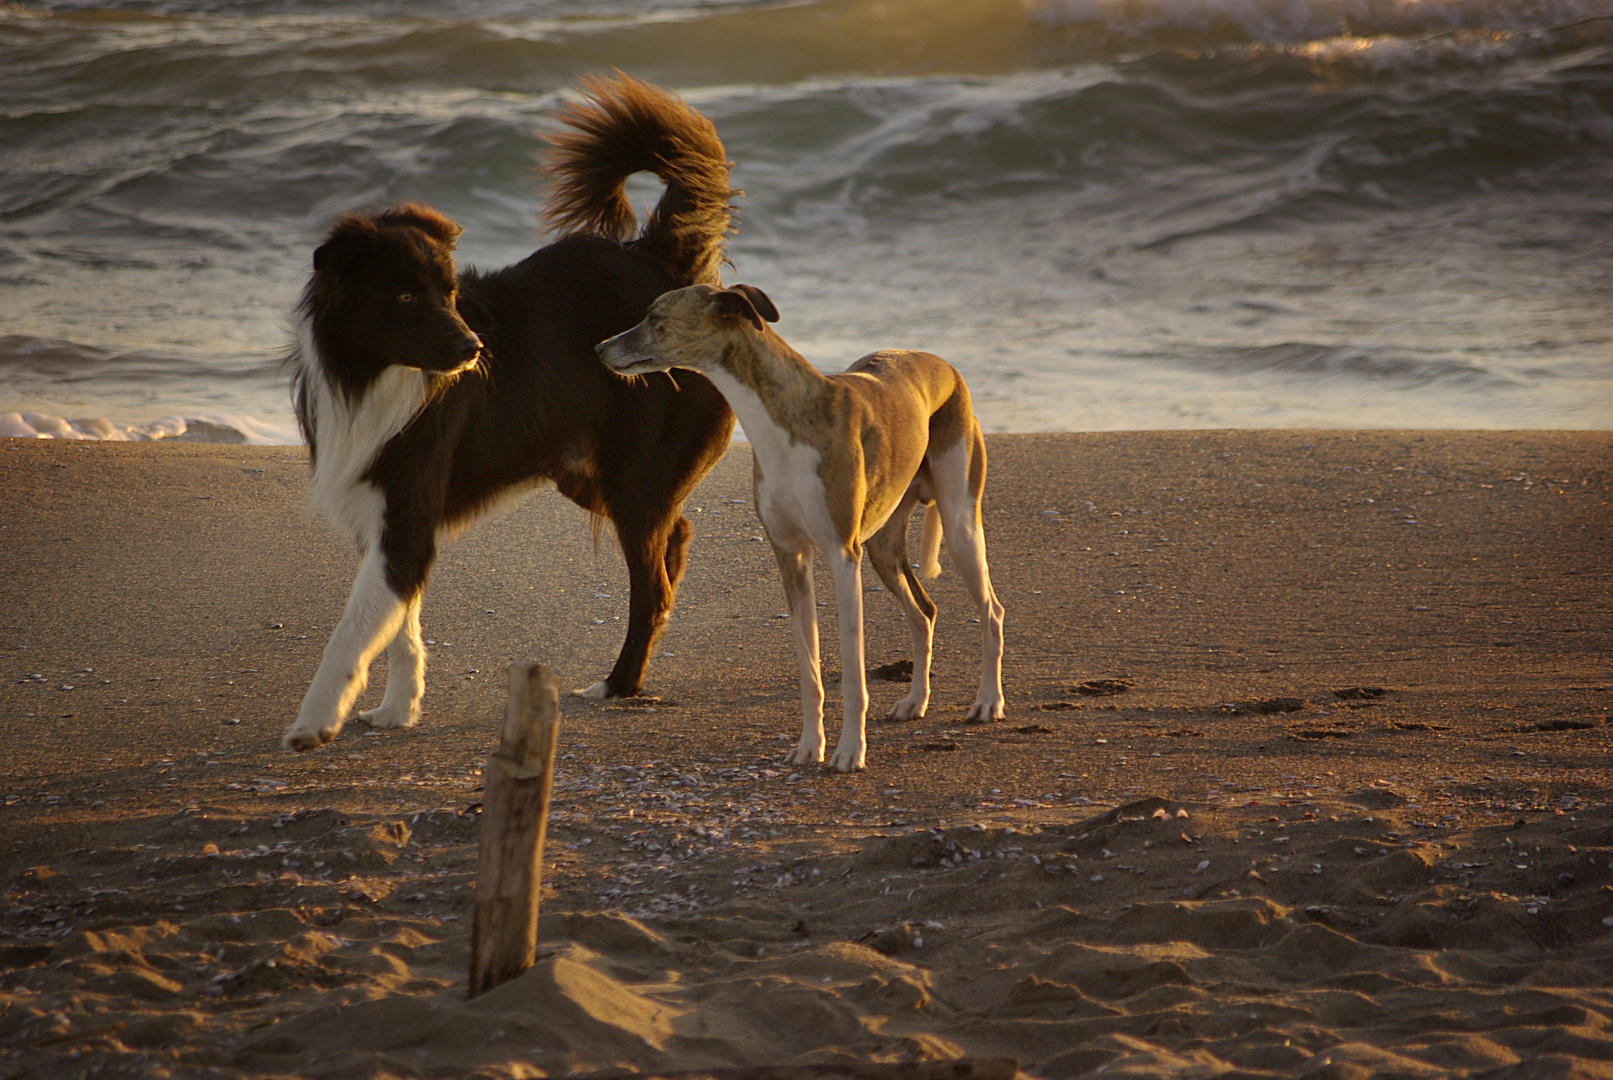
{"points": [[959, 475], [887, 550]]}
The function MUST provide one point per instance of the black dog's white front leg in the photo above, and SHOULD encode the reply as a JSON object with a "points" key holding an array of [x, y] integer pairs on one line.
{"points": [[374, 615], [405, 676]]}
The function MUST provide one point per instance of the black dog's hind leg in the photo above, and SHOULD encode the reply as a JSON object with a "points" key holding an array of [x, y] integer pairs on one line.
{"points": [[677, 554], [655, 552], [653, 549]]}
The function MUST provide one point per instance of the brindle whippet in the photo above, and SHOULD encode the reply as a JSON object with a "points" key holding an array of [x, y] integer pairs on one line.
{"points": [[840, 462]]}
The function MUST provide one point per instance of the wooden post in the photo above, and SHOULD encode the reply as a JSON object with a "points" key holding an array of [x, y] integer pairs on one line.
{"points": [[515, 816]]}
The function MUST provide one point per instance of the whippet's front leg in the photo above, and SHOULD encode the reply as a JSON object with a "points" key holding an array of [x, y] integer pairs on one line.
{"points": [[795, 568], [373, 616], [850, 754], [405, 676]]}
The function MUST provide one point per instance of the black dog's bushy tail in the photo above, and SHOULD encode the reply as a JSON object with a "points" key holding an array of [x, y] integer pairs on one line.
{"points": [[628, 126]]}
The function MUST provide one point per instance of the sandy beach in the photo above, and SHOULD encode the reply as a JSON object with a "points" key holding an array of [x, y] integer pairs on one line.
{"points": [[1306, 772]]}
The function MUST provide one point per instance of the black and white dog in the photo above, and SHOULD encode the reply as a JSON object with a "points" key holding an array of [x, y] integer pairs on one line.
{"points": [[425, 395]]}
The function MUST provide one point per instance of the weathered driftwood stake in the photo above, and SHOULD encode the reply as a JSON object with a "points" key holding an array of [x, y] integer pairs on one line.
{"points": [[515, 816]]}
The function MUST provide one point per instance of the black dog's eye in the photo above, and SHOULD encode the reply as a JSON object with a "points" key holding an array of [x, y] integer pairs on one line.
{"points": [[406, 298]]}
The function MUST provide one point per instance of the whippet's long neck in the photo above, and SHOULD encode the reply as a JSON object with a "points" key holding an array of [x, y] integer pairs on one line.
{"points": [[774, 392]]}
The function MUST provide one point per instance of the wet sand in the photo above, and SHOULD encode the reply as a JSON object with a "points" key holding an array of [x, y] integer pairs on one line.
{"points": [[1306, 773]]}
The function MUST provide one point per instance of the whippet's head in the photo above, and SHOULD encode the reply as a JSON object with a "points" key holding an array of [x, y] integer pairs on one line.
{"points": [[689, 328]]}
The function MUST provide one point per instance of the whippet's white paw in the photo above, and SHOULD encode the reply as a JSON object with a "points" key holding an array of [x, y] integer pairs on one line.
{"points": [[907, 709], [597, 692], [987, 711], [383, 717], [848, 758], [309, 736], [805, 754]]}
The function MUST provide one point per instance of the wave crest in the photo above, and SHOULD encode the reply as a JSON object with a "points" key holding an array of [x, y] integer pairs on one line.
{"points": [[213, 428]]}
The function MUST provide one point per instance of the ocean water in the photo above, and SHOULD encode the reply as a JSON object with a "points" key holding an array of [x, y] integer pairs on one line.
{"points": [[1109, 214]]}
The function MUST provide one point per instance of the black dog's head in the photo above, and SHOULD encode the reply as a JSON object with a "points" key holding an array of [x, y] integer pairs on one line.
{"points": [[384, 293]]}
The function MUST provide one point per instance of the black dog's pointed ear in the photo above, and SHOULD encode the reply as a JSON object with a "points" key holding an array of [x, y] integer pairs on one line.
{"points": [[758, 299], [732, 303]]}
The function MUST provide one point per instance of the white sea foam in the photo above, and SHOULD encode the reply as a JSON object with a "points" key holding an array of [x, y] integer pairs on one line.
{"points": [[206, 427]]}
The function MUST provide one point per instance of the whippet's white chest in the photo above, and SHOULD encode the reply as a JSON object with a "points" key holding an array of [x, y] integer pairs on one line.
{"points": [[790, 501], [790, 498]]}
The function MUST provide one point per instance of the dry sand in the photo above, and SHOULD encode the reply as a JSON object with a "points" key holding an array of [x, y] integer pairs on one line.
{"points": [[1306, 773]]}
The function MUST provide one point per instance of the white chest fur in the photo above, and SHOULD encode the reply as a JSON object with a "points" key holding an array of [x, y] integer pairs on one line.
{"points": [[790, 498], [349, 434]]}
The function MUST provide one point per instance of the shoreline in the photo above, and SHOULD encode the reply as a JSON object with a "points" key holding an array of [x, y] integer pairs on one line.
{"points": [[1376, 867], [244, 429]]}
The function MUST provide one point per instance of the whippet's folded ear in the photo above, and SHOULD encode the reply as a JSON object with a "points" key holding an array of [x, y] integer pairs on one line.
{"points": [[746, 302], [764, 307]]}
